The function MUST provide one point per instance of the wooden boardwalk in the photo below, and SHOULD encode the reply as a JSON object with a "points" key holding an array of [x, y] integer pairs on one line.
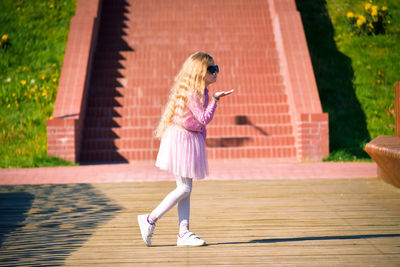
{"points": [[335, 222]]}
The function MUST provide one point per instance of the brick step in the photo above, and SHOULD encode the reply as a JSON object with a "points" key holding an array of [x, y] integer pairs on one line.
{"points": [[227, 27], [153, 91], [213, 142], [141, 82], [110, 122], [165, 44], [113, 13], [115, 20], [255, 119], [260, 80], [149, 92], [249, 130], [109, 32], [123, 155], [109, 64], [109, 82], [116, 143], [248, 57], [252, 152], [114, 155], [138, 35], [129, 100], [107, 56], [115, 4], [136, 88], [156, 101], [247, 108], [221, 121], [115, 17], [130, 111], [104, 72], [104, 91], [226, 131], [252, 141], [259, 72], [108, 67], [118, 44]]}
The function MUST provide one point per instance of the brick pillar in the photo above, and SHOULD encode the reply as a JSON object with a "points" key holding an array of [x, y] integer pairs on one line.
{"points": [[63, 138], [312, 137]]}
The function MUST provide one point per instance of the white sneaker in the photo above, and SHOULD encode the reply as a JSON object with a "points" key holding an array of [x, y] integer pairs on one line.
{"points": [[190, 240], [146, 229]]}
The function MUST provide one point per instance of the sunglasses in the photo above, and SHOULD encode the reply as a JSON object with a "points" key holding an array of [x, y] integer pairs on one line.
{"points": [[213, 69]]}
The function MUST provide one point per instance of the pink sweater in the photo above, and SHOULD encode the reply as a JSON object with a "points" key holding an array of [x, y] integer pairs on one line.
{"points": [[196, 116]]}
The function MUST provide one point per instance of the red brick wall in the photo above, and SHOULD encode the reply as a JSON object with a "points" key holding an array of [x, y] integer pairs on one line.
{"points": [[64, 130]]}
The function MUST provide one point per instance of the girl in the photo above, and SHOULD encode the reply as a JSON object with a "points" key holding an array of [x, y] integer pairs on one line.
{"points": [[182, 130]]}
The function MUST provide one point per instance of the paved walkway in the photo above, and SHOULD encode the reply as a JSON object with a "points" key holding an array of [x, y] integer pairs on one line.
{"points": [[219, 170]]}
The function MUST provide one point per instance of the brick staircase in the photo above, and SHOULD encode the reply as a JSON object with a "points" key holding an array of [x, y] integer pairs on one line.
{"points": [[141, 46]]}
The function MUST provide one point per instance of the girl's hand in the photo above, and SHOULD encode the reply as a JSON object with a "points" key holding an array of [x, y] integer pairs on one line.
{"points": [[223, 93]]}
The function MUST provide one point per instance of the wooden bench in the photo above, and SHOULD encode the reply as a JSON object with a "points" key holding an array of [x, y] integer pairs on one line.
{"points": [[385, 150]]}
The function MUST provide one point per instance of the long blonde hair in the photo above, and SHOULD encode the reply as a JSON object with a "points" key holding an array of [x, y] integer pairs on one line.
{"points": [[190, 79]]}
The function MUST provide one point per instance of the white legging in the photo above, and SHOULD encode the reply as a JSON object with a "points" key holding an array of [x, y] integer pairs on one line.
{"points": [[181, 196]]}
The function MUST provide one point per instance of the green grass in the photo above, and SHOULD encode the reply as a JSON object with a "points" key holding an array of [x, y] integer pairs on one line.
{"points": [[30, 65], [355, 74]]}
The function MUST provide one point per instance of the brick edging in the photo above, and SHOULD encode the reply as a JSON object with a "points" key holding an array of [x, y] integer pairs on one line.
{"points": [[65, 127], [311, 125]]}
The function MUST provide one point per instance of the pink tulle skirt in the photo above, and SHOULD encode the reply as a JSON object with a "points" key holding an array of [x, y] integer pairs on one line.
{"points": [[183, 153]]}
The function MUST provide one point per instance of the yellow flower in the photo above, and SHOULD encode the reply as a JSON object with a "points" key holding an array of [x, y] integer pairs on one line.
{"points": [[44, 93], [42, 76], [384, 8], [350, 15], [4, 37], [54, 65], [370, 27], [51, 117], [55, 80], [361, 21], [23, 82], [9, 106], [367, 6], [374, 13], [51, 5], [374, 10]]}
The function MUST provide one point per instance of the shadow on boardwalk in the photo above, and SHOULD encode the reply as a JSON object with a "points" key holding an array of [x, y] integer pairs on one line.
{"points": [[42, 224], [299, 239]]}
